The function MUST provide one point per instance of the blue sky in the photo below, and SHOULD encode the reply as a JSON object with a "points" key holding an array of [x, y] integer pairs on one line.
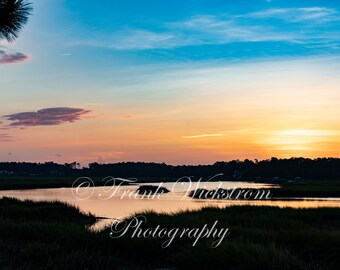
{"points": [[73, 38], [151, 60], [158, 31]]}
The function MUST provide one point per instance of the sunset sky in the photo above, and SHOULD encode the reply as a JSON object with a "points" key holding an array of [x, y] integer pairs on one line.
{"points": [[190, 81]]}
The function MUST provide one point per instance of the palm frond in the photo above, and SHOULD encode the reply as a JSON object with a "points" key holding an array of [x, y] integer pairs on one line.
{"points": [[13, 16]]}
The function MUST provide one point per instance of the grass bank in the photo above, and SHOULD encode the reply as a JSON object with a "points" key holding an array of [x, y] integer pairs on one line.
{"points": [[34, 182], [44, 235], [286, 189], [308, 188]]}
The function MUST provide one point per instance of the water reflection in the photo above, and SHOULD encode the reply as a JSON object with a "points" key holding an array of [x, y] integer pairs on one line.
{"points": [[103, 205]]}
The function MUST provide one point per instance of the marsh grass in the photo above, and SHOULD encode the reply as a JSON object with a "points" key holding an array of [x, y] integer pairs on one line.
{"points": [[148, 190], [309, 188], [53, 235], [35, 182], [301, 189]]}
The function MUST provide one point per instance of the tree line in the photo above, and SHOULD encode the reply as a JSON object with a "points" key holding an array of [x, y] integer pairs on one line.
{"points": [[274, 168]]}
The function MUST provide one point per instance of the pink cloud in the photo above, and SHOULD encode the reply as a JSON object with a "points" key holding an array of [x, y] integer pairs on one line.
{"points": [[11, 57], [46, 117]]}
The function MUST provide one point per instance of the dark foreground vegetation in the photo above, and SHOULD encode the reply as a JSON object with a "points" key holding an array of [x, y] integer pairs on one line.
{"points": [[41, 235]]}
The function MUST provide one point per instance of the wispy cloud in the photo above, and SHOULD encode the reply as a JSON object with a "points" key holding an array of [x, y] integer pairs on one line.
{"points": [[10, 57], [44, 117], [226, 29], [203, 136], [141, 39], [277, 25], [313, 14]]}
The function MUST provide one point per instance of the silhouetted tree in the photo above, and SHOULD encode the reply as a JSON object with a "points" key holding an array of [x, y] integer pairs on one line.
{"points": [[13, 16]]}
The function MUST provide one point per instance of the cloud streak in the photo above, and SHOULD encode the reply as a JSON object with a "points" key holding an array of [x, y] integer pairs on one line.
{"points": [[227, 29], [206, 29], [11, 57], [322, 14], [46, 117], [142, 39], [203, 136]]}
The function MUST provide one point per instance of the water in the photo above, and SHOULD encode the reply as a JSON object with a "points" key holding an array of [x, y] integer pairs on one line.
{"points": [[123, 201]]}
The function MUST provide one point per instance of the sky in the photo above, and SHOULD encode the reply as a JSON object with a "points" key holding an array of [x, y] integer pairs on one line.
{"points": [[180, 82]]}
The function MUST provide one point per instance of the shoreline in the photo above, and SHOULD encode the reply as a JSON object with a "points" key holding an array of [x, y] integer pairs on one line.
{"points": [[285, 190]]}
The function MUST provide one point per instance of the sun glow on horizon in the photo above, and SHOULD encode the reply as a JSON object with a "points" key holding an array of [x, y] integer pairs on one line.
{"points": [[301, 142]]}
